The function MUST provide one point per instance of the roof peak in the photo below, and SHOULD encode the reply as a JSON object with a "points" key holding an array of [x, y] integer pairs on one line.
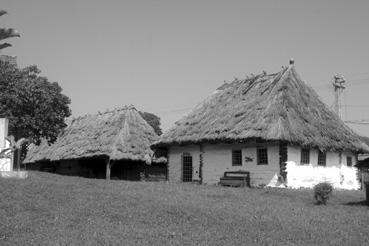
{"points": [[107, 111]]}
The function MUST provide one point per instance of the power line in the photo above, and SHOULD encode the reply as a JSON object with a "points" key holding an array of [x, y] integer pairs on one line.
{"points": [[355, 106], [361, 122], [359, 82], [357, 123], [356, 74], [357, 77]]}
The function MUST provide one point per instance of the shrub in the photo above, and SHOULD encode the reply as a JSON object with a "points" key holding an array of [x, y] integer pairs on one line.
{"points": [[322, 192]]}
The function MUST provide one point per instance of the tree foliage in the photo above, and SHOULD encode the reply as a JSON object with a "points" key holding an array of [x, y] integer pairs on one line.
{"points": [[35, 107], [6, 33], [153, 120]]}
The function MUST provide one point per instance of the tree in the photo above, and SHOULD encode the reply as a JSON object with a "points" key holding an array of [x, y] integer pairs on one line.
{"points": [[35, 107], [153, 120], [7, 33]]}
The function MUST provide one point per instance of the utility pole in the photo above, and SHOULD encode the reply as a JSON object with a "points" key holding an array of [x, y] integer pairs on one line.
{"points": [[338, 86]]}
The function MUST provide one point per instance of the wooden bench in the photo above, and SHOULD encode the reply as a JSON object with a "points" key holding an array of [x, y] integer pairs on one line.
{"points": [[235, 179]]}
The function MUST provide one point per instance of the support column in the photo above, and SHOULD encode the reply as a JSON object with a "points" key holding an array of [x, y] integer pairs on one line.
{"points": [[108, 169], [19, 158], [283, 157], [201, 164]]}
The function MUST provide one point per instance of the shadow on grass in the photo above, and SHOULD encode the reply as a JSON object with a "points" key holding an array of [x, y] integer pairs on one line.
{"points": [[319, 203], [360, 203]]}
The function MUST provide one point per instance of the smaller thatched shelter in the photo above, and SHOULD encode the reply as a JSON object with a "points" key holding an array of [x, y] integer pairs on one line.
{"points": [[112, 144]]}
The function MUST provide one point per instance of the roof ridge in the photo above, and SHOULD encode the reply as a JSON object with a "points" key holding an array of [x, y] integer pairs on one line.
{"points": [[124, 130], [107, 111]]}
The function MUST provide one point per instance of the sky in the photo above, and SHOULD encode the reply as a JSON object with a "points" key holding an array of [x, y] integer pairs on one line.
{"points": [[165, 57]]}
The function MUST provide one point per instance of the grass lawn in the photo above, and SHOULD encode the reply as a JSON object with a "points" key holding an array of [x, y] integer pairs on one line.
{"points": [[48, 209]]}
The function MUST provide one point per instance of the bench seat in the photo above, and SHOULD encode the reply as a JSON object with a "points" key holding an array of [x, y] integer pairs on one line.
{"points": [[235, 179]]}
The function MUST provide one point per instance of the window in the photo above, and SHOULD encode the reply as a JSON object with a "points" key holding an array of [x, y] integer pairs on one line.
{"points": [[305, 156], [349, 161], [262, 155], [236, 158], [322, 158]]}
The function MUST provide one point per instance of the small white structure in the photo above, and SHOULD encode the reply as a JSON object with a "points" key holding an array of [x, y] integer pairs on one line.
{"points": [[5, 159], [6, 165], [3, 132], [258, 125]]}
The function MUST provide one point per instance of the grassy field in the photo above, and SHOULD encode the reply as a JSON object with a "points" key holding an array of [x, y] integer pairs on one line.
{"points": [[49, 209]]}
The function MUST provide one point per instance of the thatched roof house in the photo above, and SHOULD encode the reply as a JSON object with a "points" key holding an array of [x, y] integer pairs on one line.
{"points": [[115, 136], [266, 108]]}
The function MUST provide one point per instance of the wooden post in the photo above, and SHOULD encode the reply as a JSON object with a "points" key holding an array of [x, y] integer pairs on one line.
{"points": [[18, 159], [11, 160], [201, 164], [366, 184], [108, 169], [167, 169]]}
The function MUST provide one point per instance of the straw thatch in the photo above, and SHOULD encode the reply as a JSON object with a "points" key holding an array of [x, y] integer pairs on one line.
{"points": [[121, 134], [274, 107]]}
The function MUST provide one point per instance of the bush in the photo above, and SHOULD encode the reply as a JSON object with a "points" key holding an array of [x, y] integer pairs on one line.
{"points": [[322, 192]]}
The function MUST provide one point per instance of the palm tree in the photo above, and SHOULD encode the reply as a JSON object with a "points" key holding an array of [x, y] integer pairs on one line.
{"points": [[7, 33]]}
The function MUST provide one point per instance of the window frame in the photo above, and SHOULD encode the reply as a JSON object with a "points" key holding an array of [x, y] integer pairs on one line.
{"points": [[322, 154], [235, 158], [305, 159], [261, 156]]}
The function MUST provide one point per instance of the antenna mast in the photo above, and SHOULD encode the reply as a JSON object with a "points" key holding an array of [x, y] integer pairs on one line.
{"points": [[338, 86]]}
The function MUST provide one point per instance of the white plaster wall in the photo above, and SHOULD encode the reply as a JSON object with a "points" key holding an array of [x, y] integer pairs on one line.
{"points": [[313, 157], [218, 159], [175, 162], [333, 159], [263, 174], [345, 155], [308, 175], [294, 154]]}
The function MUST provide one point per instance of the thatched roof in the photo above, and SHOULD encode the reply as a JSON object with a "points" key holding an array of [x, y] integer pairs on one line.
{"points": [[118, 134], [272, 107]]}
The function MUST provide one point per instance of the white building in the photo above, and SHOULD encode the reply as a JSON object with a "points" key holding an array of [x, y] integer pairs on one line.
{"points": [[257, 125]]}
